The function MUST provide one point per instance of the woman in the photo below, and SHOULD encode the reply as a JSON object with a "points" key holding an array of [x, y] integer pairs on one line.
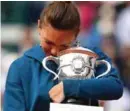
{"points": [[29, 87]]}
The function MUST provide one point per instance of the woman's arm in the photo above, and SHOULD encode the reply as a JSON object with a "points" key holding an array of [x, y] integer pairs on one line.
{"points": [[108, 87], [13, 95]]}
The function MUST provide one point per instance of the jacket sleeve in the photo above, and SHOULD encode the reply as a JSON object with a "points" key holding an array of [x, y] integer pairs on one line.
{"points": [[108, 87], [13, 95]]}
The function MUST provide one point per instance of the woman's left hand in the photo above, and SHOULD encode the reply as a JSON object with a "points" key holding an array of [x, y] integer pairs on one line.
{"points": [[57, 93]]}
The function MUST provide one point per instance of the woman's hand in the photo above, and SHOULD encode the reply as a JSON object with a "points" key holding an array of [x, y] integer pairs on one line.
{"points": [[57, 93]]}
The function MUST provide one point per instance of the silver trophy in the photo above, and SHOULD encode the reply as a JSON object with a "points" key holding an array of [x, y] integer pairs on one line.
{"points": [[76, 63]]}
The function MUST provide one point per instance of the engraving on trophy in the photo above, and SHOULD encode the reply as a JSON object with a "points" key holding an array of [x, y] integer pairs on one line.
{"points": [[90, 64], [78, 64]]}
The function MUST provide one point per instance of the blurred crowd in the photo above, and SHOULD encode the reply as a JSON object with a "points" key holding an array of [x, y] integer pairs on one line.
{"points": [[103, 24]]}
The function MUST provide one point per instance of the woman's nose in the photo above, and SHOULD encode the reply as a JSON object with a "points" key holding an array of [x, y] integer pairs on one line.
{"points": [[54, 51]]}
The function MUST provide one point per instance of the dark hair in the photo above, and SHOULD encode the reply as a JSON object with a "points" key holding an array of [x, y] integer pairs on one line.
{"points": [[61, 15]]}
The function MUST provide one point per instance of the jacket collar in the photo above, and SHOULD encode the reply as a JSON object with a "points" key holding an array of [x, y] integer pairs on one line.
{"points": [[36, 52]]}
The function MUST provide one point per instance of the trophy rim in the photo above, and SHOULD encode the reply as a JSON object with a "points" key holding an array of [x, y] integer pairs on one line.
{"points": [[67, 51]]}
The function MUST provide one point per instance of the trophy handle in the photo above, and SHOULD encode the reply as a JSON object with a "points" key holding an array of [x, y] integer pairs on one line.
{"points": [[108, 67], [55, 59]]}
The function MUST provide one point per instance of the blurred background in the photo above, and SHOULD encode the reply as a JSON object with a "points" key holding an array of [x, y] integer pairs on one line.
{"points": [[103, 24]]}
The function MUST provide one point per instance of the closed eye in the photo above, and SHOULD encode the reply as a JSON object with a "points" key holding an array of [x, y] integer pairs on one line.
{"points": [[65, 46], [48, 42]]}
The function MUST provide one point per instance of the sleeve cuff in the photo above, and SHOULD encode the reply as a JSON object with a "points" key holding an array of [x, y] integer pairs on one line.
{"points": [[71, 87]]}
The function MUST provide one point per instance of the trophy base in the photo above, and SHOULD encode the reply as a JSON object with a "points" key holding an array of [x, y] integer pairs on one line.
{"points": [[77, 101]]}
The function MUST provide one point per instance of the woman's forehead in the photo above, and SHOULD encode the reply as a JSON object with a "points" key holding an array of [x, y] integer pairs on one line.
{"points": [[60, 43], [49, 30], [55, 35]]}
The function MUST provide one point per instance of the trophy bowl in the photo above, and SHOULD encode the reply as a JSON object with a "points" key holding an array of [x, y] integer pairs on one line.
{"points": [[76, 63]]}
